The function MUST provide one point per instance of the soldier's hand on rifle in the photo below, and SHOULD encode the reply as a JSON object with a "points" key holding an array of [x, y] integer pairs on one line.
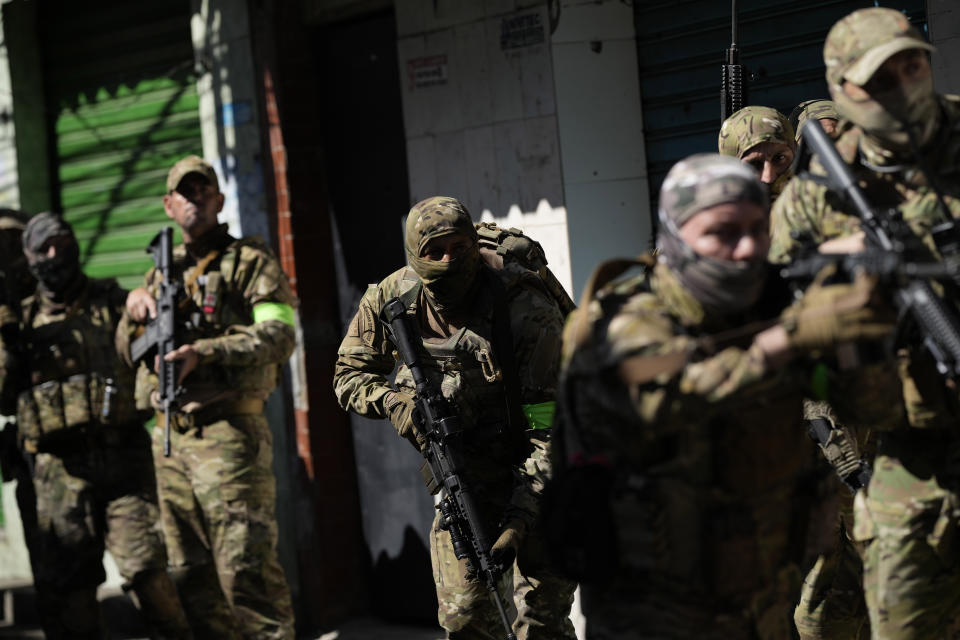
{"points": [[140, 305], [829, 315], [400, 408], [186, 355], [854, 243], [504, 550]]}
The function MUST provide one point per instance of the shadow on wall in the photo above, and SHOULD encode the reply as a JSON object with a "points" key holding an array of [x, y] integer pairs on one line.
{"points": [[416, 602]]}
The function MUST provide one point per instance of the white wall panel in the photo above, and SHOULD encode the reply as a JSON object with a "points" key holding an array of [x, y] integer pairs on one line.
{"points": [[585, 20]]}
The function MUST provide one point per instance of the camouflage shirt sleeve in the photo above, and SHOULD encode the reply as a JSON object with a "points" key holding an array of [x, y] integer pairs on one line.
{"points": [[364, 361], [260, 280], [796, 215]]}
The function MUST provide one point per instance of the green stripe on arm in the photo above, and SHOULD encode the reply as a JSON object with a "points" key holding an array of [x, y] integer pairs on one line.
{"points": [[540, 416], [273, 311]]}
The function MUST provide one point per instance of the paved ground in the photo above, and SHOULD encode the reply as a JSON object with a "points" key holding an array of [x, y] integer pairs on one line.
{"points": [[18, 620]]}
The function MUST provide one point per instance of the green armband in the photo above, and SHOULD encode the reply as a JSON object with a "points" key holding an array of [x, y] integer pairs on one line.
{"points": [[540, 416], [273, 311]]}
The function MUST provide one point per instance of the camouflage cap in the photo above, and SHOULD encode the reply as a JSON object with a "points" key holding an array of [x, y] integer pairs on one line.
{"points": [[705, 180], [859, 43], [750, 126], [818, 109], [435, 217], [191, 164], [13, 219], [42, 227]]}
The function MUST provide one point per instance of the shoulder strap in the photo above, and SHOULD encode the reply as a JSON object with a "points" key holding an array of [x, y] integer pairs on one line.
{"points": [[503, 347], [605, 273]]}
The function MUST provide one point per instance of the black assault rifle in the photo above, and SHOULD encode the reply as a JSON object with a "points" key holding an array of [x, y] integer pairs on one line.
{"points": [[918, 305], [160, 337], [440, 425], [733, 84]]}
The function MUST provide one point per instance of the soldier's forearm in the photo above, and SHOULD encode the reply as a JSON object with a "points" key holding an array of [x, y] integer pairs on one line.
{"points": [[259, 344]]}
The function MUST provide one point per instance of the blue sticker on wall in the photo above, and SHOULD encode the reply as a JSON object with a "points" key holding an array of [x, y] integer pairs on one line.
{"points": [[234, 114]]}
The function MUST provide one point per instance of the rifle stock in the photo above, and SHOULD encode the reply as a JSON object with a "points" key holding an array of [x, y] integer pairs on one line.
{"points": [[442, 469]]}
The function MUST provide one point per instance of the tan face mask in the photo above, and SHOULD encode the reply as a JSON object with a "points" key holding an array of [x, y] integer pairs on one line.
{"points": [[884, 115]]}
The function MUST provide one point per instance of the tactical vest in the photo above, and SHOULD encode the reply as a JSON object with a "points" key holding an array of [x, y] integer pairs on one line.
{"points": [[213, 306], [465, 364], [711, 505], [76, 378]]}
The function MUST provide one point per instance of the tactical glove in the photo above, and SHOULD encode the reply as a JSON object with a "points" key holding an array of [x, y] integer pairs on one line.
{"points": [[504, 550], [832, 314], [400, 409]]}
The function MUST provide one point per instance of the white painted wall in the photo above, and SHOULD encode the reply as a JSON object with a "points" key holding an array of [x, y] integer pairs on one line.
{"points": [[229, 118], [601, 133], [944, 23], [480, 113]]}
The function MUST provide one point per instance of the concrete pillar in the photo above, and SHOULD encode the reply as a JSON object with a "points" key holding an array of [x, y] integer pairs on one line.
{"points": [[229, 119], [601, 133]]}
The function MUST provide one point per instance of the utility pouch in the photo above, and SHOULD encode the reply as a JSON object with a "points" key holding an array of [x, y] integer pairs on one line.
{"points": [[433, 485], [211, 296], [28, 418], [75, 395], [48, 399]]}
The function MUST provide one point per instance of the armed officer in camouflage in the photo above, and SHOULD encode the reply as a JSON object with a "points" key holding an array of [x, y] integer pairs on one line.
{"points": [[762, 138], [16, 283], [92, 466], [451, 293], [217, 489], [675, 386], [902, 141]]}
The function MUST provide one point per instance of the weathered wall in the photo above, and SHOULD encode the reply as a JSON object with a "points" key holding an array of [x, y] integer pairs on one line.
{"points": [[481, 116], [944, 17], [601, 133]]}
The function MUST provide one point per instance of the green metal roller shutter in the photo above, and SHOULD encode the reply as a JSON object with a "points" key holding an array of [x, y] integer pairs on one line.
{"points": [[680, 49], [122, 96]]}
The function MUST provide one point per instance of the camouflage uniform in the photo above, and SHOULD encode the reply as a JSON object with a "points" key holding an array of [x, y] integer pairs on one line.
{"points": [[217, 489], [509, 461], [908, 517], [750, 126], [816, 109], [93, 470], [710, 495]]}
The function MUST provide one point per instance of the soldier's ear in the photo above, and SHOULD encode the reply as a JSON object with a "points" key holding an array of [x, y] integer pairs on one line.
{"points": [[168, 205], [220, 200]]}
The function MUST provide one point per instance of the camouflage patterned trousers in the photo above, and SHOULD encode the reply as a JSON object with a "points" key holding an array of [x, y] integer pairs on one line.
{"points": [[217, 499], [909, 520], [832, 602], [541, 599], [92, 495]]}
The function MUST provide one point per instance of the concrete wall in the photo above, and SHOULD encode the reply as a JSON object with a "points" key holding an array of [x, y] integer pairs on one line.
{"points": [[601, 133], [944, 22], [480, 113]]}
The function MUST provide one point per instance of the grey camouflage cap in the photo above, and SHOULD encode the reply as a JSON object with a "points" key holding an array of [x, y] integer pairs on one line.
{"points": [[859, 43], [752, 125], [43, 226], [706, 180]]}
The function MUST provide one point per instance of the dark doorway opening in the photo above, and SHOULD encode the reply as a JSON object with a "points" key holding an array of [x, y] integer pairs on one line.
{"points": [[364, 155]]}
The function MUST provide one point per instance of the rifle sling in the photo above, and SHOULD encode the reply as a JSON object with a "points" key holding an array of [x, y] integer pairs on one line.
{"points": [[503, 347]]}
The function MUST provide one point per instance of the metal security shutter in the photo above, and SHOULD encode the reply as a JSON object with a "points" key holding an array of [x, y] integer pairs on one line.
{"points": [[680, 50], [122, 97]]}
